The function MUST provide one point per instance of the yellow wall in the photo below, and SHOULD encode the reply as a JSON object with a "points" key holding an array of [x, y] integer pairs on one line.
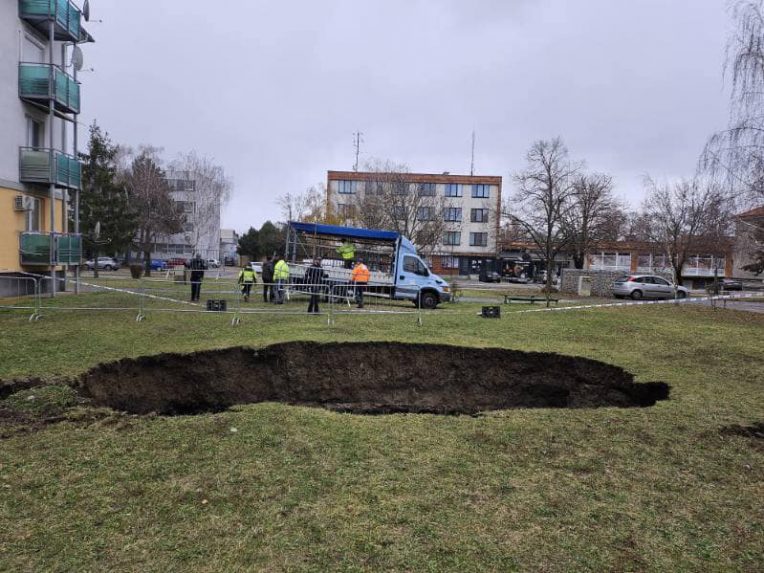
{"points": [[13, 222]]}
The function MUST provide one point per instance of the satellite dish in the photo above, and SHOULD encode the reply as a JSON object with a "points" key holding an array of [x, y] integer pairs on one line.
{"points": [[86, 11], [77, 59]]}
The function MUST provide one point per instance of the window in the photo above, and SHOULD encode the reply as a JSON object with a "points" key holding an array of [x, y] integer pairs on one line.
{"points": [[346, 187], [644, 261], [188, 227], [375, 187], [479, 215], [34, 52], [449, 262], [481, 191], [186, 206], [660, 281], [35, 133], [33, 216], [425, 213], [399, 188], [346, 211], [453, 190], [399, 212], [452, 214], [414, 265], [478, 239], [452, 238], [426, 189]]}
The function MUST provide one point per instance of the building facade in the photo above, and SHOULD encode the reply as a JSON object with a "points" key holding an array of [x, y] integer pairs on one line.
{"points": [[201, 229], [229, 242], [464, 211], [748, 232], [40, 174]]}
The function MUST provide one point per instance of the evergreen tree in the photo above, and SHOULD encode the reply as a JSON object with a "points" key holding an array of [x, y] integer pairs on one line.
{"points": [[248, 244], [106, 222]]}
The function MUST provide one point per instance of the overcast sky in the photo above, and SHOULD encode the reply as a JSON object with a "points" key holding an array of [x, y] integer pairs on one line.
{"points": [[273, 90]]}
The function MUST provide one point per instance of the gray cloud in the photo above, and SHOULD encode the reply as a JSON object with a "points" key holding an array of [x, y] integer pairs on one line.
{"points": [[274, 90]]}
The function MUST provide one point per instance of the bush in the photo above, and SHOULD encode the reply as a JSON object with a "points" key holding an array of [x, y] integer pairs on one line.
{"points": [[136, 271]]}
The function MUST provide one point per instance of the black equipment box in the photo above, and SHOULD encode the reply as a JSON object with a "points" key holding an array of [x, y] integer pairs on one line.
{"points": [[216, 305], [491, 312]]}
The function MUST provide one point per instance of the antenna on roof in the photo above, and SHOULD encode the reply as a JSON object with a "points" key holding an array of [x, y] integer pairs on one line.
{"points": [[472, 162], [357, 143]]}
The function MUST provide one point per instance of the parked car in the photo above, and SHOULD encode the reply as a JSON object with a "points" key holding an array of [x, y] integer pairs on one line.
{"points": [[213, 263], [731, 284], [158, 265], [229, 261], [105, 263], [257, 267], [489, 277], [646, 286], [177, 262]]}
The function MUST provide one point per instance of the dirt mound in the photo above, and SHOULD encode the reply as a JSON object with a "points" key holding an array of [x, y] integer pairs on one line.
{"points": [[368, 378]]}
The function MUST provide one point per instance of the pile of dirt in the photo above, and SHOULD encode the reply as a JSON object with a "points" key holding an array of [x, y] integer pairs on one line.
{"points": [[366, 378]]}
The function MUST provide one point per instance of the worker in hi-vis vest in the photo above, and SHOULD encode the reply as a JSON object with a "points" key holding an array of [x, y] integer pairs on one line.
{"points": [[347, 251], [247, 278], [360, 279], [281, 276]]}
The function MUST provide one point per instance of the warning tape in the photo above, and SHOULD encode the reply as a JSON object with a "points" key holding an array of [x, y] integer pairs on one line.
{"points": [[642, 303]]}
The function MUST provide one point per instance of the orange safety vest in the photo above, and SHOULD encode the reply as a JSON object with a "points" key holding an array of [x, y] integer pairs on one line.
{"points": [[360, 273]]}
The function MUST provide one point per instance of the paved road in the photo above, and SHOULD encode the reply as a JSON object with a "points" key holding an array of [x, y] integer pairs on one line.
{"points": [[749, 306]]}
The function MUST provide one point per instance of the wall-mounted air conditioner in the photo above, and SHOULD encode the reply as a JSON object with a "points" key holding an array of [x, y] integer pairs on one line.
{"points": [[23, 203]]}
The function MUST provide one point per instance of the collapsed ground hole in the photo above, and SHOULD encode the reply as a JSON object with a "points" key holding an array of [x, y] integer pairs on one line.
{"points": [[364, 378]]}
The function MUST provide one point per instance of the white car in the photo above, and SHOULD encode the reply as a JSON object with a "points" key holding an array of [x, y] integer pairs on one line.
{"points": [[257, 267], [213, 263], [105, 263]]}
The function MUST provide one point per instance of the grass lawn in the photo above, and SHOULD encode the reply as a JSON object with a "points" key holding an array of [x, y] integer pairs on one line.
{"points": [[272, 487]]}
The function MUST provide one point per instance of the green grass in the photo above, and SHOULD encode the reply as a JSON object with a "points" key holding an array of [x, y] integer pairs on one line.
{"points": [[300, 489]]}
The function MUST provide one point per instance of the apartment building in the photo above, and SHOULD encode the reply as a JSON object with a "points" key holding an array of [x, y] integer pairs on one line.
{"points": [[40, 175], [466, 209], [201, 229]]}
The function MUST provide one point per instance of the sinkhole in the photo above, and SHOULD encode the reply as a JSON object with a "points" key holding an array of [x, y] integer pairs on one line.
{"points": [[364, 378]]}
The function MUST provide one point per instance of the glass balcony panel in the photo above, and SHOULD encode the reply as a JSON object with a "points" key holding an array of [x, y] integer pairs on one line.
{"points": [[36, 167], [34, 82], [34, 249], [67, 17]]}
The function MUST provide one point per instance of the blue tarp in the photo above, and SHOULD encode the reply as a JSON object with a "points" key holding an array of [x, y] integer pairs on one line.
{"points": [[344, 232]]}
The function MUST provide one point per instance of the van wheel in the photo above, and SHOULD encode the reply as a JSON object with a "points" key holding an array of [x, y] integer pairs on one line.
{"points": [[427, 300], [636, 295]]}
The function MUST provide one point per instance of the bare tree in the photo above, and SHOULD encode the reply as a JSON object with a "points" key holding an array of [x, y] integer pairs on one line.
{"points": [[210, 192], [593, 215], [150, 199], [390, 200], [686, 218], [308, 206], [540, 205], [736, 155]]}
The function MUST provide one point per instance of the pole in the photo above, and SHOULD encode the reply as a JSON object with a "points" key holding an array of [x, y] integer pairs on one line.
{"points": [[76, 197], [51, 155]]}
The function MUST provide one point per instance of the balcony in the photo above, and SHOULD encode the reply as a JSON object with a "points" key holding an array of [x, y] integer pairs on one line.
{"points": [[47, 249], [66, 18], [35, 85], [49, 166]]}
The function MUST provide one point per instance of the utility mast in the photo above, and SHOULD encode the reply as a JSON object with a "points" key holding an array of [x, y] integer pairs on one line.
{"points": [[472, 162], [357, 143]]}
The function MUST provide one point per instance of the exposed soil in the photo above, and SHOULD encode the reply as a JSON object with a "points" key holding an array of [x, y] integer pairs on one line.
{"points": [[755, 431], [364, 378]]}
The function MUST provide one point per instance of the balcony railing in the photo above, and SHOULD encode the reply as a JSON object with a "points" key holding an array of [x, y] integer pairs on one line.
{"points": [[64, 14], [35, 85], [49, 166], [50, 249]]}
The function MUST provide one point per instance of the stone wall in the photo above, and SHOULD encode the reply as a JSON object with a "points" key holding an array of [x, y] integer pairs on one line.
{"points": [[601, 280]]}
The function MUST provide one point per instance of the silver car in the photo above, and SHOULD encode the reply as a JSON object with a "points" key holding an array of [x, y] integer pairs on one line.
{"points": [[646, 286]]}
